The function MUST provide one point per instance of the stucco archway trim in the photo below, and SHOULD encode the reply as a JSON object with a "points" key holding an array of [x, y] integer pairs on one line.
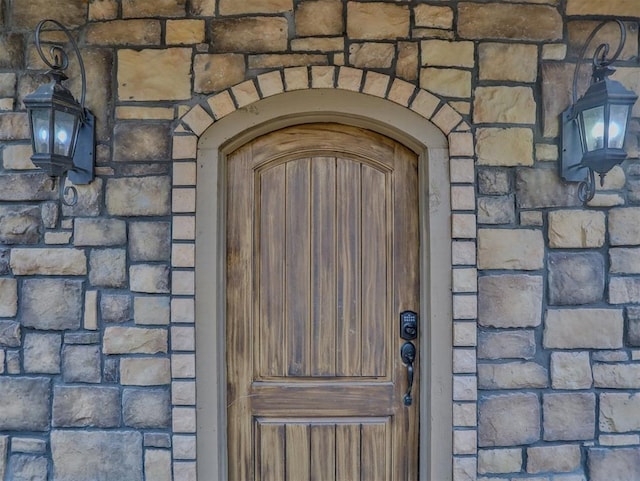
{"points": [[277, 99]]}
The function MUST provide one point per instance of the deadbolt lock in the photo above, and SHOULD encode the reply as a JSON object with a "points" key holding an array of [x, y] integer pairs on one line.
{"points": [[408, 325]]}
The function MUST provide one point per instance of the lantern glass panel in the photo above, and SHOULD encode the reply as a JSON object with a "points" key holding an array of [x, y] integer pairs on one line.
{"points": [[593, 121], [41, 126], [617, 125], [64, 124]]}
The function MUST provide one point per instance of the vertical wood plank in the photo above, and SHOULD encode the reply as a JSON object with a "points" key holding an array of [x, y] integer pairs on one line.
{"points": [[349, 238], [348, 452], [374, 273], [271, 254], [298, 265], [323, 452], [374, 451], [323, 245], [272, 451], [298, 452]]}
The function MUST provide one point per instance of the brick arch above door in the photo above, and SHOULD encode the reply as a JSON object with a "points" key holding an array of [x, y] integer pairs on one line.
{"points": [[413, 116]]}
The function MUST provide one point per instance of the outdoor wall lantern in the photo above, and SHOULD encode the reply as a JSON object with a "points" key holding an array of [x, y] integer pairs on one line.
{"points": [[594, 127], [62, 129]]}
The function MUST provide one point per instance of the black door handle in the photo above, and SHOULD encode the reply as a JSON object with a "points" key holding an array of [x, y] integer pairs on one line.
{"points": [[408, 356]]}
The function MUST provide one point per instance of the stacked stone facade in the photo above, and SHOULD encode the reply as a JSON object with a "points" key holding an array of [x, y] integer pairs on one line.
{"points": [[97, 323]]}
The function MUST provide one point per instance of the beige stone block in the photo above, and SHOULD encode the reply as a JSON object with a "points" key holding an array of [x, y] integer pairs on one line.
{"points": [[183, 338], [272, 61], [464, 441], [461, 170], [465, 388], [554, 459], [521, 249], [569, 416], [463, 226], [90, 321], [616, 376], [221, 105], [465, 306], [233, 7], [377, 20], [183, 283], [371, 55], [465, 280], [184, 447], [508, 300], [184, 420], [513, 105], [546, 152], [322, 77], [571, 370], [103, 10], [509, 419], [249, 34], [157, 464], [184, 227], [145, 371], [446, 82], [48, 262], [134, 340], [619, 8], [512, 375], [407, 60], [464, 468], [464, 334], [463, 197], [8, 297], [464, 414], [322, 17], [576, 228], [433, 16], [318, 44], [142, 75], [245, 93], [463, 253], [183, 255], [184, 32], [138, 196], [504, 61], [461, 144], [583, 328], [446, 118], [182, 310], [400, 92], [443, 53], [624, 226], [214, 72], [124, 32], [509, 21], [184, 147], [183, 200], [624, 260], [376, 84], [144, 113], [505, 147], [425, 104], [618, 439], [17, 157], [531, 218], [151, 310], [184, 471], [183, 393], [152, 279], [554, 51], [619, 412], [270, 84], [624, 290], [183, 366], [14, 126], [198, 120], [499, 461], [464, 361], [160, 8]]}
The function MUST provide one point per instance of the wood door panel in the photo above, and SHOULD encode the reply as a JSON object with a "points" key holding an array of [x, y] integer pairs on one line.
{"points": [[322, 252]]}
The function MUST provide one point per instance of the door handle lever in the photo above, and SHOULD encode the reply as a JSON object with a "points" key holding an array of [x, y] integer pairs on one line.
{"points": [[408, 356]]}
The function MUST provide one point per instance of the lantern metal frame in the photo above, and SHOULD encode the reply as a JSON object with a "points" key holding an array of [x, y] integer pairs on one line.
{"points": [[54, 99], [577, 164]]}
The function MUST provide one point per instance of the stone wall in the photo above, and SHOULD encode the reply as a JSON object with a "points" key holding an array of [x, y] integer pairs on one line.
{"points": [[97, 342]]}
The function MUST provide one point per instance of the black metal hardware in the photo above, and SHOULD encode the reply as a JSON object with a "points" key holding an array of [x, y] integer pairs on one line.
{"points": [[408, 356], [408, 325]]}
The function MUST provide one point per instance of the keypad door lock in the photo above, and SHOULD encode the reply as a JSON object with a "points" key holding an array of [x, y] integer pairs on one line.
{"points": [[408, 325]]}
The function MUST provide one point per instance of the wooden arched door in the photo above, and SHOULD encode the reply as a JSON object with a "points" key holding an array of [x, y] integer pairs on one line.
{"points": [[322, 257]]}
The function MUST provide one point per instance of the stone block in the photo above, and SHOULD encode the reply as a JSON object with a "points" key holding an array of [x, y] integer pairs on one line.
{"points": [[512, 375], [14, 126], [10, 334], [619, 412], [537, 188], [4, 447], [571, 370], [25, 403], [448, 82], [28, 445], [8, 300], [616, 464], [81, 364], [115, 308], [151, 310], [50, 262], [124, 32], [21, 187], [624, 226], [157, 440], [583, 328], [7, 89], [509, 419], [519, 344], [576, 229], [99, 232], [163, 8], [86, 406], [445, 53], [249, 34], [496, 210], [4, 261], [499, 461], [504, 146], [157, 464], [150, 241], [633, 326], [134, 142], [510, 300], [108, 267], [371, 55], [20, 225], [28, 14], [103, 455], [145, 371], [146, 408], [509, 21], [134, 340], [142, 75], [575, 278], [314, 18], [377, 21], [554, 459], [231, 7], [23, 467], [110, 371], [569, 416], [139, 196], [11, 51], [152, 279], [494, 181], [504, 61], [215, 72], [499, 104], [624, 290], [51, 304], [89, 200], [624, 260], [579, 31], [41, 353], [616, 376], [521, 249]]}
